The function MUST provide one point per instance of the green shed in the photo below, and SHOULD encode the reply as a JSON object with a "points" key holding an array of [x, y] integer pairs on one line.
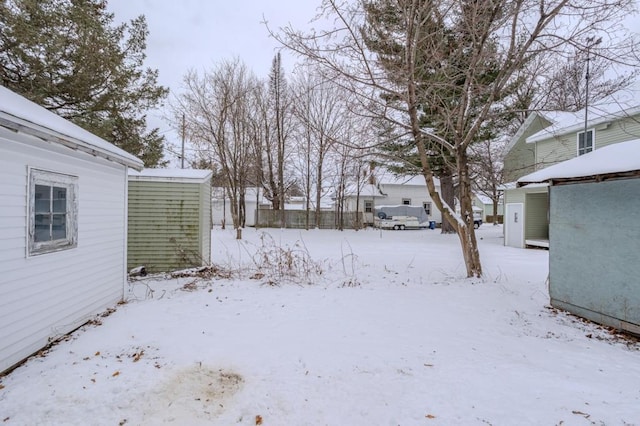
{"points": [[169, 219]]}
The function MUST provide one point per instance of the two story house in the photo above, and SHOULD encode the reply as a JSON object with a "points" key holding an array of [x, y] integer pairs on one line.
{"points": [[548, 138]]}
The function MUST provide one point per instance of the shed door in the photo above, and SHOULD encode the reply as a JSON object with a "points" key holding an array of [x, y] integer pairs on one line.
{"points": [[514, 225]]}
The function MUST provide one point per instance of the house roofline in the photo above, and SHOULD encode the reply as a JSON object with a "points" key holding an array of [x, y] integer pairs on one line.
{"points": [[602, 119], [20, 125], [523, 127]]}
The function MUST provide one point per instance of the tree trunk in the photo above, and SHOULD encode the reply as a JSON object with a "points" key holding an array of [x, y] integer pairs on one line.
{"points": [[318, 188], [466, 232], [448, 195]]}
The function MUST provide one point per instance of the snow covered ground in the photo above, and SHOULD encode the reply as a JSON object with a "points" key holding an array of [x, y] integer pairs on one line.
{"points": [[388, 332]]}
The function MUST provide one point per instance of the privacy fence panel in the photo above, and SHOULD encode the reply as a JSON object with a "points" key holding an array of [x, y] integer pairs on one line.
{"points": [[297, 219]]}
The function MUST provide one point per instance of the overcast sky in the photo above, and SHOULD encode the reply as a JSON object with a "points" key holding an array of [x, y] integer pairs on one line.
{"points": [[198, 33]]}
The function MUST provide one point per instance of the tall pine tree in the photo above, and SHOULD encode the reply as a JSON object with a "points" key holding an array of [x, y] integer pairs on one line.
{"points": [[441, 64], [69, 57]]}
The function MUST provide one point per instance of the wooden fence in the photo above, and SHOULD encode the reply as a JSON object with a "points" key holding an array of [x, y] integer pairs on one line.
{"points": [[297, 219], [490, 219]]}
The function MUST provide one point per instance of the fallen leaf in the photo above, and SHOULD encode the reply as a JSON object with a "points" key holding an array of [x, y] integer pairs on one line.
{"points": [[137, 356], [97, 353], [117, 373], [1, 386], [258, 420], [580, 413], [428, 365], [430, 416]]}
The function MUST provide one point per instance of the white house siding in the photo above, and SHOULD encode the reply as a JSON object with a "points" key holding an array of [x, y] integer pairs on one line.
{"points": [[43, 297]]}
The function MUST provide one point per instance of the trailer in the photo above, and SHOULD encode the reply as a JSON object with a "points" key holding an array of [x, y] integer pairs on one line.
{"points": [[401, 217]]}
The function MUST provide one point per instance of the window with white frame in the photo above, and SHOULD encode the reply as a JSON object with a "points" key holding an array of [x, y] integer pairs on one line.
{"points": [[427, 208], [53, 211], [585, 146], [368, 206], [406, 201]]}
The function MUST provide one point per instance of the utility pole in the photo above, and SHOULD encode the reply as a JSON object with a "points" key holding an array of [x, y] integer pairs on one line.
{"points": [[590, 43], [183, 132]]}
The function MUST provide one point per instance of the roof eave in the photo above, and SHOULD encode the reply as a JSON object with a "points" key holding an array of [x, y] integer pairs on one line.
{"points": [[554, 181], [49, 135], [545, 134]]}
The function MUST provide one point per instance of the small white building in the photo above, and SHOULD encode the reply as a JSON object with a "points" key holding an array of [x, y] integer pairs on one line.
{"points": [[63, 238], [484, 203], [221, 206], [391, 190], [363, 199]]}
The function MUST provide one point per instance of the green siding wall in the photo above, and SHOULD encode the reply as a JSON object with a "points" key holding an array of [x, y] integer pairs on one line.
{"points": [[520, 160], [514, 196], [561, 148], [205, 221], [536, 210], [166, 229], [593, 253]]}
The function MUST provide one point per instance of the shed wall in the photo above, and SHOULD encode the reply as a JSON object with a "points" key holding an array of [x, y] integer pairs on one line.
{"points": [[166, 225], [594, 246], [46, 296]]}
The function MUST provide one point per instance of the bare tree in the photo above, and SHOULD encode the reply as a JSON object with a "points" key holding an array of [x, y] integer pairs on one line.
{"points": [[565, 90], [321, 112], [487, 165], [216, 111], [280, 107], [473, 49]]}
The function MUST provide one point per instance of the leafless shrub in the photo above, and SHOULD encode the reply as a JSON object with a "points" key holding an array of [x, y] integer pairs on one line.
{"points": [[276, 265], [349, 266]]}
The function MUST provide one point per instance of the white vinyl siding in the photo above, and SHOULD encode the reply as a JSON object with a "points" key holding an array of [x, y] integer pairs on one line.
{"points": [[45, 296]]}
